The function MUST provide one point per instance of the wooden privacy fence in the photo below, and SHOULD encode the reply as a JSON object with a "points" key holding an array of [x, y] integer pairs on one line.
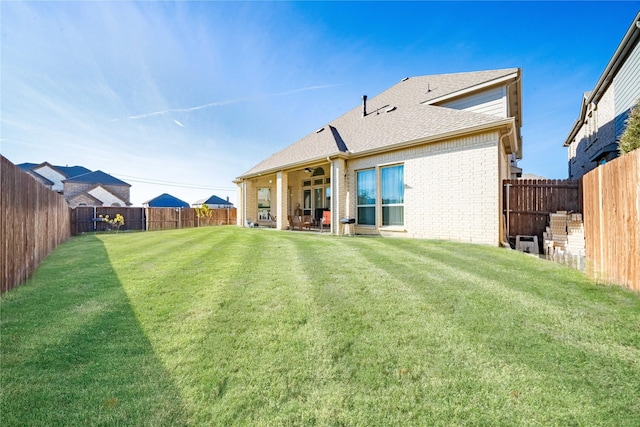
{"points": [[33, 221], [171, 218], [527, 203], [87, 219], [612, 221]]}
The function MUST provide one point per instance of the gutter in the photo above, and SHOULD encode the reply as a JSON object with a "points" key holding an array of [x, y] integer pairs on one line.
{"points": [[320, 159], [518, 149], [509, 122]]}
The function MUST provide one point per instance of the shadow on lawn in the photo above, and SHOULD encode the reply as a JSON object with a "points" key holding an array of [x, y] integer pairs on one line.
{"points": [[73, 352]]}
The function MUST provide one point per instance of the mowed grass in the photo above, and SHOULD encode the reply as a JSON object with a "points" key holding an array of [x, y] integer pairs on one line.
{"points": [[229, 326]]}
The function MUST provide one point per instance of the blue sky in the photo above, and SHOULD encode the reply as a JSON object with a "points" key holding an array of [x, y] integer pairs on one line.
{"points": [[189, 95]]}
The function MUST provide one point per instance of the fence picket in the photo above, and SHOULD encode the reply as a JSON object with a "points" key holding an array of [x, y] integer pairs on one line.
{"points": [[33, 221], [150, 219], [612, 218]]}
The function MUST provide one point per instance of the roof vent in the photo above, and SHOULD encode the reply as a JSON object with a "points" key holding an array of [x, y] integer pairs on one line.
{"points": [[320, 130], [405, 79], [390, 109], [364, 105]]}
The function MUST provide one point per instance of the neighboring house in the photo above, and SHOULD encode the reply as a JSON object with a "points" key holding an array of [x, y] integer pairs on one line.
{"points": [[214, 202], [165, 201], [425, 158], [80, 186], [52, 176], [594, 138]]}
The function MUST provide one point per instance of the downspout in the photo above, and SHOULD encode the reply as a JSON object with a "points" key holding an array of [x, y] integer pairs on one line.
{"points": [[516, 81], [332, 194], [505, 243]]}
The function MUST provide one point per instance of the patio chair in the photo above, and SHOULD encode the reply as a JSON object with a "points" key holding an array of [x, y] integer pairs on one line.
{"points": [[326, 220], [292, 222], [306, 222]]}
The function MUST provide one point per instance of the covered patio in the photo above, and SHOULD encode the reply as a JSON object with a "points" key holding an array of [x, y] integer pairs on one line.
{"points": [[300, 198]]}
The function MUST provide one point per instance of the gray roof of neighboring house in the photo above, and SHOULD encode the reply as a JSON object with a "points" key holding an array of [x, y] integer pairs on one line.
{"points": [[97, 177], [166, 201], [400, 114]]}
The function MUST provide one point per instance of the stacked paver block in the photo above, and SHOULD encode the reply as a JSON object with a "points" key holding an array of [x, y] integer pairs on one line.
{"points": [[564, 238]]}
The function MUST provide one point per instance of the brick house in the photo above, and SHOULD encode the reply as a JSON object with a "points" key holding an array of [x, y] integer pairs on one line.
{"points": [[594, 137], [425, 158], [80, 186]]}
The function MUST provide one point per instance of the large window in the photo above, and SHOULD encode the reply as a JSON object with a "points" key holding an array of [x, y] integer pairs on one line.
{"points": [[264, 204], [392, 195], [316, 194], [390, 201], [367, 197]]}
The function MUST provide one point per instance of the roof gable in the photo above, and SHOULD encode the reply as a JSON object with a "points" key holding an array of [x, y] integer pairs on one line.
{"points": [[215, 200], [65, 171], [104, 194], [166, 201], [84, 198]]}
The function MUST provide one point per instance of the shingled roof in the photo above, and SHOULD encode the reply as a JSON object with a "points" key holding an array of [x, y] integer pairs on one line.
{"points": [[166, 200], [406, 112], [67, 171], [97, 177]]}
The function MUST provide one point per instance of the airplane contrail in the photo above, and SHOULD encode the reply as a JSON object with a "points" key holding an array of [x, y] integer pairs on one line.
{"points": [[226, 102]]}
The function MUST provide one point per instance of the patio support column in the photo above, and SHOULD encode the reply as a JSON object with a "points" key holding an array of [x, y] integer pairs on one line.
{"points": [[282, 187], [339, 193], [250, 200], [240, 211]]}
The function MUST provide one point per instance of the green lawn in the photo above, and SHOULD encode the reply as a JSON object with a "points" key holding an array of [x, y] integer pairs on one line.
{"points": [[229, 326]]}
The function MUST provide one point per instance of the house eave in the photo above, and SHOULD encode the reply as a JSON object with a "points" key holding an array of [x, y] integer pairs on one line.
{"points": [[631, 38], [501, 125], [472, 89], [291, 166]]}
